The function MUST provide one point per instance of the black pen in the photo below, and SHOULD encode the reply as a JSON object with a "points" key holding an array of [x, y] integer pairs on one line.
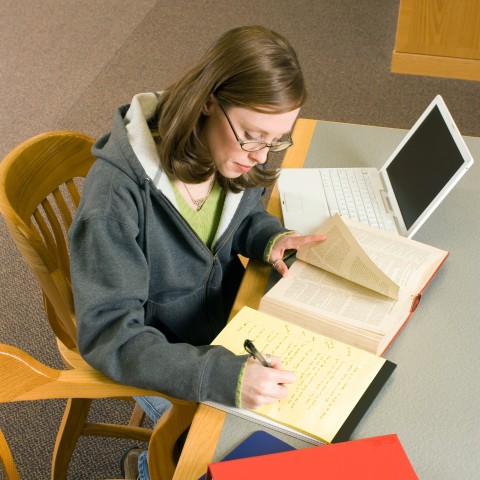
{"points": [[252, 350]]}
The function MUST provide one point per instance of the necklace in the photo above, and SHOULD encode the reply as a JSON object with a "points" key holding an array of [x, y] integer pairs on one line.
{"points": [[199, 202]]}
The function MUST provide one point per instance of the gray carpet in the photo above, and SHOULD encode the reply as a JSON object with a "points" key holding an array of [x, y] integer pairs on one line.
{"points": [[68, 64]]}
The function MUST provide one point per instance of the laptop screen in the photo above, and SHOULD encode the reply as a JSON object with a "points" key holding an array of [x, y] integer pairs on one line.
{"points": [[424, 166]]}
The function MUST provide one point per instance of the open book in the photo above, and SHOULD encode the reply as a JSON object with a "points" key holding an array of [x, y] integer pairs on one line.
{"points": [[335, 385], [360, 286]]}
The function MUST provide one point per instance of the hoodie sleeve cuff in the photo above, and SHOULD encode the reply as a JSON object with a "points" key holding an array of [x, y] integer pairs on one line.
{"points": [[238, 395], [271, 243]]}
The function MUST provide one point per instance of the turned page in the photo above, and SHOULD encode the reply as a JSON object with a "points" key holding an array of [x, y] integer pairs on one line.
{"points": [[342, 255], [331, 375], [407, 262]]}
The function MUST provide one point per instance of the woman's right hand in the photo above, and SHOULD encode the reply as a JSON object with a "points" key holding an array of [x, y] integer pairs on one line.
{"points": [[261, 385]]}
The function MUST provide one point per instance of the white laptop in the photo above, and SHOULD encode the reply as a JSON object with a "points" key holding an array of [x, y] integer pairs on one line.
{"points": [[399, 197]]}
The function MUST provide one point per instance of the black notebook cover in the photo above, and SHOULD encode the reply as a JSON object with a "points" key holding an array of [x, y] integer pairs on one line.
{"points": [[364, 403]]}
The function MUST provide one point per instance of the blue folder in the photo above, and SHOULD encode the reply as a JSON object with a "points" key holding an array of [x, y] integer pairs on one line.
{"points": [[258, 443]]}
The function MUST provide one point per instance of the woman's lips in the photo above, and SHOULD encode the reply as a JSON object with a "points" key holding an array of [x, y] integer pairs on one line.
{"points": [[243, 168]]}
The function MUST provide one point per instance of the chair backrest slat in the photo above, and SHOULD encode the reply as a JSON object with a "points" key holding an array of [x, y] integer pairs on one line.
{"points": [[45, 234], [63, 206], [74, 192], [59, 233]]}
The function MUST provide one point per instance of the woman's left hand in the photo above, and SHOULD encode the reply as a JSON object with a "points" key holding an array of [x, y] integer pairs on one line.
{"points": [[291, 241]]}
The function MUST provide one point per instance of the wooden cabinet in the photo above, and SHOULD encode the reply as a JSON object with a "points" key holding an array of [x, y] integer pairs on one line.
{"points": [[438, 38]]}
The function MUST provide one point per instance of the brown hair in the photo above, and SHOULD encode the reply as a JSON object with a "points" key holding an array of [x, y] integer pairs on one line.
{"points": [[251, 67]]}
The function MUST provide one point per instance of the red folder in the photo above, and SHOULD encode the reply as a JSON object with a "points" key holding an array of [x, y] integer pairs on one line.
{"points": [[376, 458]]}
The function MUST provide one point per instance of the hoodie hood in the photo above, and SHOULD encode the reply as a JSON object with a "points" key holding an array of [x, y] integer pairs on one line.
{"points": [[131, 148], [130, 145]]}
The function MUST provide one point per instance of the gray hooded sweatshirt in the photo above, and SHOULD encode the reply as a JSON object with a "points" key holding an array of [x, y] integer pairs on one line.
{"points": [[149, 295]]}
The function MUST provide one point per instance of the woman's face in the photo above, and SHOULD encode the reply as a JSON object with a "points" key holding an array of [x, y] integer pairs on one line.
{"points": [[227, 154]]}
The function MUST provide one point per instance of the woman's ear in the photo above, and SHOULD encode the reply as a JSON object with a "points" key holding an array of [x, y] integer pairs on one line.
{"points": [[209, 105]]}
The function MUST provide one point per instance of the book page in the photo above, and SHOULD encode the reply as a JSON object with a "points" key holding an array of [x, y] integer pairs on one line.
{"points": [[342, 255], [407, 262], [329, 298], [331, 375]]}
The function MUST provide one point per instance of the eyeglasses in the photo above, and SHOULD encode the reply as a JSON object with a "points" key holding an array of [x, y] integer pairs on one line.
{"points": [[254, 145]]}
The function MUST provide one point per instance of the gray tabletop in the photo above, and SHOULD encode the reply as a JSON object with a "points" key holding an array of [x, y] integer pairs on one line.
{"points": [[432, 400]]}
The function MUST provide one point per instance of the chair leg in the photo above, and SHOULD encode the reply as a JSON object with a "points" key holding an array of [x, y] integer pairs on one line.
{"points": [[137, 416], [6, 460], [162, 462], [73, 421]]}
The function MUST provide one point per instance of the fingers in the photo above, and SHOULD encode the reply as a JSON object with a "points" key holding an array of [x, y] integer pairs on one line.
{"points": [[262, 385], [296, 241], [292, 241], [275, 361], [281, 267]]}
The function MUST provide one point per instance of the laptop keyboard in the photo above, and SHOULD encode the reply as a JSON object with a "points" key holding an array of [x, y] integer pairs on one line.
{"points": [[350, 194]]}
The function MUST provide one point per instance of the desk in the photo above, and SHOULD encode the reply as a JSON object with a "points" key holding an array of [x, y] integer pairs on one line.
{"points": [[432, 401], [438, 38]]}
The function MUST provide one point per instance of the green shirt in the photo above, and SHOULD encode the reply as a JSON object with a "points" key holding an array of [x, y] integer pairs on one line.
{"points": [[204, 221]]}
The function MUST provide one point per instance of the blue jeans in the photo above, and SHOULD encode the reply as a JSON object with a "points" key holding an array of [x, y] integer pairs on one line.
{"points": [[154, 408]]}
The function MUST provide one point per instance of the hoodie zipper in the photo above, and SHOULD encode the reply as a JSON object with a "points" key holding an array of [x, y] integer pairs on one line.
{"points": [[233, 229], [213, 255]]}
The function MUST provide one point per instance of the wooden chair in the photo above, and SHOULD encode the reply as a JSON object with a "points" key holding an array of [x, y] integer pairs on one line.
{"points": [[24, 378], [40, 185]]}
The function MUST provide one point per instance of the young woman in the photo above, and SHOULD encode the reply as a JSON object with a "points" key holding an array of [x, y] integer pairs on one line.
{"points": [[173, 199]]}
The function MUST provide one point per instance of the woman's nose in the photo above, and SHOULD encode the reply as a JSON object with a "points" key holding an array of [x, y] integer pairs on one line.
{"points": [[260, 156]]}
